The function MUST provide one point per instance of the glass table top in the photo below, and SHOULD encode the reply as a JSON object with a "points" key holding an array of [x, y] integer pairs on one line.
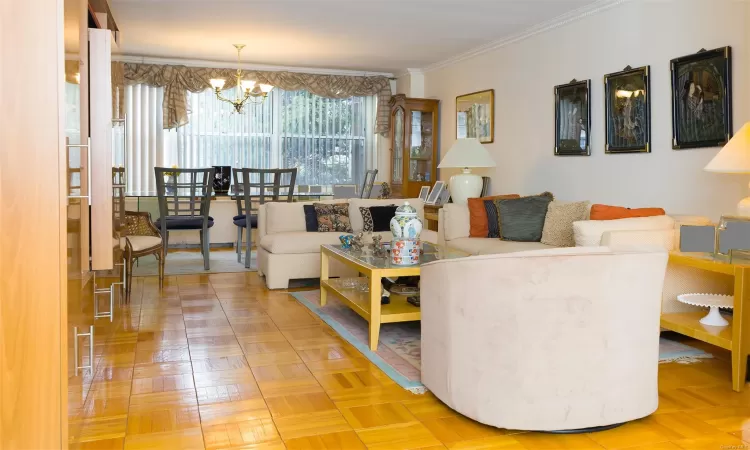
{"points": [[430, 253]]}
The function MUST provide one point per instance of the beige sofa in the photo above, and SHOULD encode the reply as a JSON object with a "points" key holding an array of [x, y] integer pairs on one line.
{"points": [[453, 231], [536, 340], [286, 251]]}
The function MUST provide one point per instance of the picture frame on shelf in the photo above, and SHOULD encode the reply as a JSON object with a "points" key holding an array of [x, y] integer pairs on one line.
{"points": [[573, 119], [443, 198], [702, 99], [475, 116], [485, 186], [434, 196], [424, 193], [627, 111]]}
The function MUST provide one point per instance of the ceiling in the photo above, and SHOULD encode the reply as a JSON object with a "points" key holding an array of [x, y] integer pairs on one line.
{"points": [[361, 35]]}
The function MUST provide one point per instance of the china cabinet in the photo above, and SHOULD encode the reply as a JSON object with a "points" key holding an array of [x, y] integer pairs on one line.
{"points": [[57, 153], [414, 149]]}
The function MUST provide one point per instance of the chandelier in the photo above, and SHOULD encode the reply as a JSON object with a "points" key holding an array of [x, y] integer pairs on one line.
{"points": [[247, 90]]}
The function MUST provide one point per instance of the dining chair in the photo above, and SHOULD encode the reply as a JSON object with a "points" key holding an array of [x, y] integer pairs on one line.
{"points": [[252, 188], [184, 202], [377, 189], [140, 238], [344, 191], [367, 183]]}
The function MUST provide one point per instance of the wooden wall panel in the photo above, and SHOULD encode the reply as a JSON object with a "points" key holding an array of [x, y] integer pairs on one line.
{"points": [[32, 225], [100, 104]]}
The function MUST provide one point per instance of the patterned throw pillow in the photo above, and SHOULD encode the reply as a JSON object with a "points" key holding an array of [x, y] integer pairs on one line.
{"points": [[333, 217], [492, 220], [366, 219], [558, 225], [522, 219]]}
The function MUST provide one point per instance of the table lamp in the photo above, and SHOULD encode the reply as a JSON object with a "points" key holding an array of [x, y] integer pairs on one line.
{"points": [[735, 158], [465, 154]]}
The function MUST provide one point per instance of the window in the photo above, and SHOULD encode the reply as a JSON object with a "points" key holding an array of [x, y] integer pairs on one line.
{"points": [[329, 141]]}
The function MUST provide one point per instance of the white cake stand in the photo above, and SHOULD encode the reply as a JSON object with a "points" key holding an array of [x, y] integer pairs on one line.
{"points": [[711, 301]]}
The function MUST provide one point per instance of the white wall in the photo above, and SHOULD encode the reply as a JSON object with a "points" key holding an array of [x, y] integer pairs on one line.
{"points": [[636, 33]]}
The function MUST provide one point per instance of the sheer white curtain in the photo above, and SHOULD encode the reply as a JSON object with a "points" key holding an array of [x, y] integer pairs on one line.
{"points": [[330, 141]]}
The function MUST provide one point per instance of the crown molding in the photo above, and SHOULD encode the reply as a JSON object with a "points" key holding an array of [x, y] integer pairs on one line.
{"points": [[243, 66], [543, 27]]}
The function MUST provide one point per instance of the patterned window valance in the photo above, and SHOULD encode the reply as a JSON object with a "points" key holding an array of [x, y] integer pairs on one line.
{"points": [[178, 80]]}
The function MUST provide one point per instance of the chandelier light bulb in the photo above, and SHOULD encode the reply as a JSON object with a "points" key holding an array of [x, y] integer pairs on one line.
{"points": [[217, 83], [266, 88], [247, 85]]}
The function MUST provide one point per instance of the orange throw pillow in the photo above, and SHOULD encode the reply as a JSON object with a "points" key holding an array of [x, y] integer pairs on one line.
{"points": [[478, 214], [606, 212]]}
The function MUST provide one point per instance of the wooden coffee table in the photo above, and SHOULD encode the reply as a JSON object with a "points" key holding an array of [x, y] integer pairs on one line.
{"points": [[367, 303]]}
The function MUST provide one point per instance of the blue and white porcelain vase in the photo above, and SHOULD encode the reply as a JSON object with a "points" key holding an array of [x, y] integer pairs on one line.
{"points": [[406, 224], [406, 227]]}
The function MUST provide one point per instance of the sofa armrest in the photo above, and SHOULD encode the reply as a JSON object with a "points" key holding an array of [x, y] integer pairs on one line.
{"points": [[441, 228], [261, 222], [628, 238], [455, 221]]}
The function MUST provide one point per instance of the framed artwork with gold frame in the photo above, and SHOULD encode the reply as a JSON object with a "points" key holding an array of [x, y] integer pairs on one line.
{"points": [[702, 99], [475, 116], [627, 111]]}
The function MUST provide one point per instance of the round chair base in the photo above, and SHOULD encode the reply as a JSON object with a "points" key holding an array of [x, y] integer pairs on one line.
{"points": [[585, 430]]}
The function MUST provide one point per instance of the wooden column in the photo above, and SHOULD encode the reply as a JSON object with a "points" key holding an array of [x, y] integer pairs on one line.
{"points": [[32, 226]]}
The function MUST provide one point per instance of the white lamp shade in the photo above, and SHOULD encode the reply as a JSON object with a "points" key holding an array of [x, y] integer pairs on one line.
{"points": [[266, 88], [735, 156], [467, 153]]}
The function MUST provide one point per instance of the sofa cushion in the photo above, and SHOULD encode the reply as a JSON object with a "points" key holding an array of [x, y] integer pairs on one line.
{"points": [[381, 217], [185, 222], [478, 225], [490, 209], [522, 219], [140, 243], [282, 216], [298, 242], [302, 242], [333, 217], [588, 233], [241, 221], [558, 224], [355, 203], [490, 246], [311, 218], [606, 212]]}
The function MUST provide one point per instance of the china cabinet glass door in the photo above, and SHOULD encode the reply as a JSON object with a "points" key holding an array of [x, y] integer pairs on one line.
{"points": [[398, 146], [421, 147]]}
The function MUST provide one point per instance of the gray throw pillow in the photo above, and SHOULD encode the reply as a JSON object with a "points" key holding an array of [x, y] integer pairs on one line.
{"points": [[522, 219]]}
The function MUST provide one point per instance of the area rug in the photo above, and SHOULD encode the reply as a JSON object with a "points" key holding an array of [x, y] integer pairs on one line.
{"points": [[187, 263], [399, 349]]}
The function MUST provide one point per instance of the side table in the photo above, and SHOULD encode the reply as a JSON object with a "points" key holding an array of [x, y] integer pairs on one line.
{"points": [[431, 216], [734, 337]]}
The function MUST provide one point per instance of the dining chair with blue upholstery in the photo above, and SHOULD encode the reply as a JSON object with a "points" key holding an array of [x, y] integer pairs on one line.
{"points": [[184, 202], [252, 188]]}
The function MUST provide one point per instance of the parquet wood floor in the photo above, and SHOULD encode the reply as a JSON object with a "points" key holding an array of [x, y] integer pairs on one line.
{"points": [[218, 361]]}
